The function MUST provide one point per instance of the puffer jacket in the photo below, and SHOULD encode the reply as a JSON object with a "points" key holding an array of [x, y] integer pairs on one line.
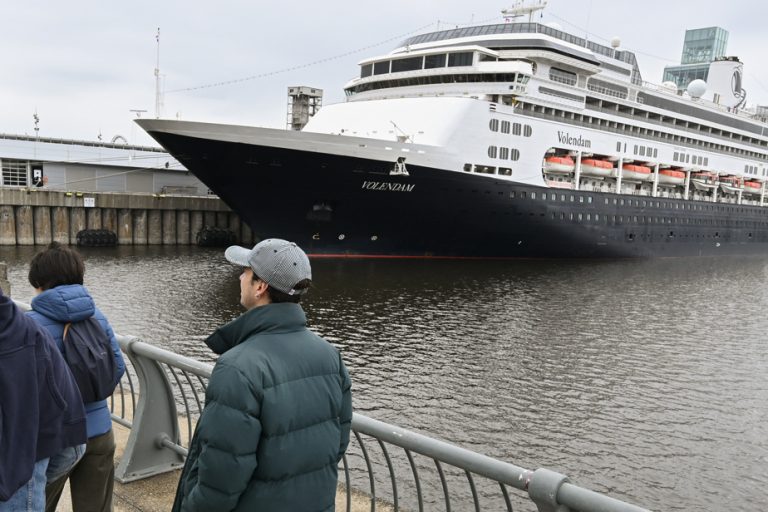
{"points": [[276, 422], [52, 309], [41, 411]]}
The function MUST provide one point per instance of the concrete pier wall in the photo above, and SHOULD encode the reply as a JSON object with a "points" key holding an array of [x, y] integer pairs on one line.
{"points": [[29, 217]]}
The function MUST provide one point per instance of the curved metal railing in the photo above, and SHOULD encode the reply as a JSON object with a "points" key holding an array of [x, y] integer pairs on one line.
{"points": [[430, 475]]}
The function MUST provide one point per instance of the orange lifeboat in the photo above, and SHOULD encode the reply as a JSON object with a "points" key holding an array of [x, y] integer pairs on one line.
{"points": [[559, 165], [594, 167], [671, 177], [635, 172], [753, 187]]}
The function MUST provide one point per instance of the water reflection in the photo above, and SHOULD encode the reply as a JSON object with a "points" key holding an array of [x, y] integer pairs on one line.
{"points": [[645, 379]]}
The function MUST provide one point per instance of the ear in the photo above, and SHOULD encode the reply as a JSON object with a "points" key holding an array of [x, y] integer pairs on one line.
{"points": [[260, 287]]}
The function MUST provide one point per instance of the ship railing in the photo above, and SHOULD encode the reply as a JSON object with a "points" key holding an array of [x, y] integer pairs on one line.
{"points": [[388, 467]]}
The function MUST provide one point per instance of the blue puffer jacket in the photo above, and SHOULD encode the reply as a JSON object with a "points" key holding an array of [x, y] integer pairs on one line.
{"points": [[41, 411], [277, 417], [71, 303]]}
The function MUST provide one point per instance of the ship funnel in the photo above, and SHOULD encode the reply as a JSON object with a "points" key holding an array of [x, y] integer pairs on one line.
{"points": [[724, 82]]}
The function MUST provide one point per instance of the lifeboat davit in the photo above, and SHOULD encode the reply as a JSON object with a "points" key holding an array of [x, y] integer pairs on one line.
{"points": [[704, 180], [593, 167], [559, 165], [636, 172], [731, 184], [671, 177], [753, 187]]}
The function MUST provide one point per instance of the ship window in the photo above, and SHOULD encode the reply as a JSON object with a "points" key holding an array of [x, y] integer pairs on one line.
{"points": [[562, 76], [460, 59], [522, 194], [468, 167], [553, 196], [572, 198], [570, 216], [494, 125], [505, 127], [514, 154], [434, 61], [589, 199], [533, 195], [589, 217], [381, 68], [504, 153], [642, 150], [581, 199], [655, 152], [366, 70], [635, 152], [706, 161], [410, 64], [516, 128], [581, 217], [618, 146], [512, 194], [492, 151], [527, 131], [505, 171]]}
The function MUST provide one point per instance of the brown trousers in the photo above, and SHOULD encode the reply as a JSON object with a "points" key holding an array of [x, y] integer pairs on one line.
{"points": [[91, 481]]}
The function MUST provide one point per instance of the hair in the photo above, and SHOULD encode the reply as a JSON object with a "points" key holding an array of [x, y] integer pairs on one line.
{"points": [[276, 296], [56, 265]]}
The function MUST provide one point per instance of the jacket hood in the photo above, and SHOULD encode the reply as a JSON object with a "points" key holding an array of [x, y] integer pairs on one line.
{"points": [[271, 318], [66, 303]]}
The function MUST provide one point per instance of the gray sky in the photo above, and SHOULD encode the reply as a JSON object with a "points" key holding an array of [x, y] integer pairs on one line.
{"points": [[84, 65]]}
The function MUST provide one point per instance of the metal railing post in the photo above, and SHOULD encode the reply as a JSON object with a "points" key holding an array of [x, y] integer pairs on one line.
{"points": [[543, 488], [155, 422]]}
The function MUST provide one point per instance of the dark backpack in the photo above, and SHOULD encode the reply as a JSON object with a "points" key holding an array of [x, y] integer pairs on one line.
{"points": [[88, 352]]}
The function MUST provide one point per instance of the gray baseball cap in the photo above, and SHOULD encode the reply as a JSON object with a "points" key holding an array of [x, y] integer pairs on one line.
{"points": [[279, 263]]}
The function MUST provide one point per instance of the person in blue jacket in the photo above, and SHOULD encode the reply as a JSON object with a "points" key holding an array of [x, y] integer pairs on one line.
{"points": [[278, 406], [57, 274], [41, 411]]}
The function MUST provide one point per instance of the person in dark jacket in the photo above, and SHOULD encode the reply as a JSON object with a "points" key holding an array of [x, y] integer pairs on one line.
{"points": [[41, 411], [278, 407], [57, 274]]}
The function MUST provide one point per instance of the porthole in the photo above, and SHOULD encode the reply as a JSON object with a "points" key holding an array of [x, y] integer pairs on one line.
{"points": [[342, 237], [374, 238]]}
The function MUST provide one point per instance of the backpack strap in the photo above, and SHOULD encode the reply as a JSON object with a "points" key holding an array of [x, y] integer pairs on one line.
{"points": [[66, 328]]}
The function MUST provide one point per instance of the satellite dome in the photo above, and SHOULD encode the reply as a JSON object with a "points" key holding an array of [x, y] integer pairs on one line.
{"points": [[697, 88], [615, 42], [554, 25]]}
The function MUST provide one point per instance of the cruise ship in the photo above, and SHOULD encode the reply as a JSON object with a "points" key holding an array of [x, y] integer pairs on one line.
{"points": [[509, 140]]}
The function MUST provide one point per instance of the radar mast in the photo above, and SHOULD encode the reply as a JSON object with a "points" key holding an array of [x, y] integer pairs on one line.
{"points": [[521, 8]]}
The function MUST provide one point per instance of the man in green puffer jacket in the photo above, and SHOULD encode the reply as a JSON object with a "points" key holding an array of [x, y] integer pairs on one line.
{"points": [[278, 407]]}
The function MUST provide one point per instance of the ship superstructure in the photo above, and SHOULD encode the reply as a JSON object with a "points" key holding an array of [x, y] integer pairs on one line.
{"points": [[505, 140]]}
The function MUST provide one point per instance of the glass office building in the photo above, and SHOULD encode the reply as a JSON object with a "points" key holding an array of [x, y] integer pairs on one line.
{"points": [[700, 48]]}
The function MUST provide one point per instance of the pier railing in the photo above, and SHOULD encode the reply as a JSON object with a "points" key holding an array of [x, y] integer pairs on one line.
{"points": [[388, 467]]}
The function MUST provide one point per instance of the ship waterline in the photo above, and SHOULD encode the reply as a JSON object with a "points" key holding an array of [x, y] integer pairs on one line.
{"points": [[501, 141]]}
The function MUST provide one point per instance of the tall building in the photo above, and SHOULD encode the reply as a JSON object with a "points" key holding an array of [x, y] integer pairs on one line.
{"points": [[700, 48]]}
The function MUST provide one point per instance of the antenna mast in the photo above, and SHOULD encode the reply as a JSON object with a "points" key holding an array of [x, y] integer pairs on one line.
{"points": [[158, 102], [520, 9]]}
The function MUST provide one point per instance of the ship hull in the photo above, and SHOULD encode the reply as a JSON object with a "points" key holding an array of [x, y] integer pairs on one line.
{"points": [[341, 205]]}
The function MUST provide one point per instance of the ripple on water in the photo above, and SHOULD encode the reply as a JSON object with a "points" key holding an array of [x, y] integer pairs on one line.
{"points": [[645, 379]]}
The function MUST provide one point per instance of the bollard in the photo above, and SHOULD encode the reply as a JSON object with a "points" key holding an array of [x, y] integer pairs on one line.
{"points": [[5, 285]]}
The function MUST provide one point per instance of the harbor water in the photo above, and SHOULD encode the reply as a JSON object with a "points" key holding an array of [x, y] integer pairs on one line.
{"points": [[645, 379]]}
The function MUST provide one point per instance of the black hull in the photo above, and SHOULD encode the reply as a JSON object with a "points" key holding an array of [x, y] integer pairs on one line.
{"points": [[343, 206]]}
